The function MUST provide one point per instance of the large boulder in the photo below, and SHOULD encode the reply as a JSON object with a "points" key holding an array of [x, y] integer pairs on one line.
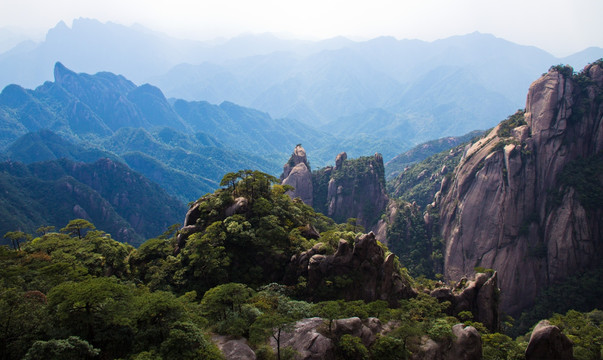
{"points": [[547, 342], [366, 330], [478, 296], [234, 348], [307, 341], [466, 344], [363, 262]]}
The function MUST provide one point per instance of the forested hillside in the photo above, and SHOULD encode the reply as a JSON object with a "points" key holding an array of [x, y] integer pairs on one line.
{"points": [[78, 293], [106, 192]]}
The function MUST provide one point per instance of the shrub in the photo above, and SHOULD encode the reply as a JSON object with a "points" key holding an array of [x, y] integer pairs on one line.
{"points": [[351, 348]]}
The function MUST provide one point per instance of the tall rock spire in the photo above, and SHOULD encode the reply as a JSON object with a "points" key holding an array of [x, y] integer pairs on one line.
{"points": [[296, 173]]}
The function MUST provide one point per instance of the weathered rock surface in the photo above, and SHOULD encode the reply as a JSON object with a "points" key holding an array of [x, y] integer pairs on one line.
{"points": [[363, 262], [479, 296], [306, 337], [307, 341], [193, 214], [234, 349], [465, 345], [549, 343], [499, 211], [296, 173], [238, 207], [366, 330], [354, 188]]}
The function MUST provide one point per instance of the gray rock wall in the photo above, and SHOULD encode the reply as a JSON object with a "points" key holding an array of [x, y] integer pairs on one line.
{"points": [[497, 212]]}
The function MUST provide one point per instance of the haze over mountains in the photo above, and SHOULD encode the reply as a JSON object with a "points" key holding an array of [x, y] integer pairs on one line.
{"points": [[376, 89], [107, 114], [378, 96]]}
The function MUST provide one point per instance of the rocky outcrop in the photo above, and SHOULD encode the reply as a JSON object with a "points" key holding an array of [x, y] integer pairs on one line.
{"points": [[547, 342], [354, 188], [479, 296], [308, 340], [296, 173], [234, 349], [341, 157], [363, 262], [508, 208], [191, 226], [466, 344], [366, 330]]}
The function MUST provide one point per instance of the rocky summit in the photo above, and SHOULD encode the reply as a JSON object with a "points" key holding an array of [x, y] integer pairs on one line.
{"points": [[296, 173], [353, 188], [523, 200]]}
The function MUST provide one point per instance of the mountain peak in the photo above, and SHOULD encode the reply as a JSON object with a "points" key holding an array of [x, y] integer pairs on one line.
{"points": [[61, 72], [59, 29]]}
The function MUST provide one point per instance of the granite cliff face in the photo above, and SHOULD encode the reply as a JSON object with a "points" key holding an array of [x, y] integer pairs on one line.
{"points": [[296, 173], [354, 188], [525, 199]]}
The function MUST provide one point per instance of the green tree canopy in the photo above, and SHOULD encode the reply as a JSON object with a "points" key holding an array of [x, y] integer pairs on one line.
{"points": [[78, 227]]}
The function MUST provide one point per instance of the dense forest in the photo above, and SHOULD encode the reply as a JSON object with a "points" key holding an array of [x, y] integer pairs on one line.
{"points": [[76, 293]]}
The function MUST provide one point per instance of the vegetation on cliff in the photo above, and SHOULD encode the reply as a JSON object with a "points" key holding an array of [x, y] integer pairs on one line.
{"points": [[79, 293], [251, 262], [354, 188]]}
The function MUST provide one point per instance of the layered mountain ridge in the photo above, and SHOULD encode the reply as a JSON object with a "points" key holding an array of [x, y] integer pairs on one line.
{"points": [[382, 95], [108, 115]]}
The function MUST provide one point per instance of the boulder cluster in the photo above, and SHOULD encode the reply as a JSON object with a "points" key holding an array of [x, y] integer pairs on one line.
{"points": [[478, 296], [357, 191], [364, 262]]}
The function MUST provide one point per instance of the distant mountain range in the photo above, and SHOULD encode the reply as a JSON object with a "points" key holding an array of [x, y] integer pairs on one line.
{"points": [[246, 102], [84, 117], [390, 93]]}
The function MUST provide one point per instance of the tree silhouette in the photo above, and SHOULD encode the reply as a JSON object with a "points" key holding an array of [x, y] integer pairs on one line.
{"points": [[77, 226], [16, 237]]}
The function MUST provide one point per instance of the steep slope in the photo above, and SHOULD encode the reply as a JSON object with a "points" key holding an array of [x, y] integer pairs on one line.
{"points": [[106, 193], [526, 199], [45, 145], [353, 188], [247, 129], [398, 164], [209, 162]]}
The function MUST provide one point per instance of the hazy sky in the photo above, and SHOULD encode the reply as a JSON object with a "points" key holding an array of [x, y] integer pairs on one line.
{"points": [[560, 27]]}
